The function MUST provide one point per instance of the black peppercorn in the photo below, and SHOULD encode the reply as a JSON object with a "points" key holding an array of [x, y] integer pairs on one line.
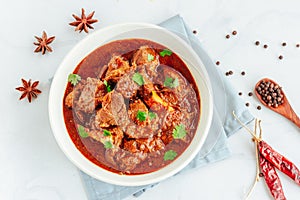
{"points": [[270, 93]]}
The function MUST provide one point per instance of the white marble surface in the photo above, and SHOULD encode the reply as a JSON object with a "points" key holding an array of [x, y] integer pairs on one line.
{"points": [[33, 166]]}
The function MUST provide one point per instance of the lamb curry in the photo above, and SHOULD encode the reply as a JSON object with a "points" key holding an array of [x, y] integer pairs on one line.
{"points": [[131, 106]]}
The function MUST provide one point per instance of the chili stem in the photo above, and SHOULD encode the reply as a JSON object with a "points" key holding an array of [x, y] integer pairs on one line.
{"points": [[260, 130], [257, 163], [243, 125]]}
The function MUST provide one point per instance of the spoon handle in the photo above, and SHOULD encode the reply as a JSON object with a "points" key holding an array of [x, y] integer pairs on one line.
{"points": [[296, 120], [293, 117]]}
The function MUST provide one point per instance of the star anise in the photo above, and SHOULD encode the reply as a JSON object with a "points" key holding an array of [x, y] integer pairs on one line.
{"points": [[43, 43], [29, 90], [84, 22]]}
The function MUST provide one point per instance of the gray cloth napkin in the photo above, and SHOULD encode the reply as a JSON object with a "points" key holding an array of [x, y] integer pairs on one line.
{"points": [[223, 124]]}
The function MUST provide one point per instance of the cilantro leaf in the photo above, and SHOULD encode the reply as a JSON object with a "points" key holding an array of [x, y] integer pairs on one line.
{"points": [[106, 133], [150, 57], [151, 115], [138, 78], [74, 79], [82, 132], [179, 132], [170, 155], [108, 89], [165, 52], [108, 145], [141, 116], [171, 83]]}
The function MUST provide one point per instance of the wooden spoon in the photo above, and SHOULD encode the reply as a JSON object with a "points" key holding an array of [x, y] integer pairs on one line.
{"points": [[285, 109]]}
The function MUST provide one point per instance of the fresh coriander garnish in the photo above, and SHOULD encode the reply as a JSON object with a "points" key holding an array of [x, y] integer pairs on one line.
{"points": [[82, 132], [151, 115], [108, 89], [171, 83], [150, 57], [141, 116], [138, 78], [179, 131], [106, 133], [165, 52], [108, 145], [74, 79], [170, 155]]}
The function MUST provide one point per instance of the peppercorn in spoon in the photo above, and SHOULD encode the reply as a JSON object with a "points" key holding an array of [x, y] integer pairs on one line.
{"points": [[272, 96]]}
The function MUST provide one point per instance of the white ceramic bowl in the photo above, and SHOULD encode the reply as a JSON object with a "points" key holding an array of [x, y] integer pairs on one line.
{"points": [[90, 43]]}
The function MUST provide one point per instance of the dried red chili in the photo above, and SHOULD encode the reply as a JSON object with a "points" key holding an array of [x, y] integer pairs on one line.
{"points": [[272, 179], [279, 161]]}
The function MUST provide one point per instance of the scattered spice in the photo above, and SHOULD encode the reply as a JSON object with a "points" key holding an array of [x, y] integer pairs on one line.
{"points": [[265, 46], [230, 72], [270, 93], [84, 22], [280, 57], [43, 43], [247, 104], [297, 45], [250, 94], [258, 107], [257, 43], [283, 44], [194, 31], [218, 63], [234, 32], [29, 91], [227, 36], [243, 73], [240, 93]]}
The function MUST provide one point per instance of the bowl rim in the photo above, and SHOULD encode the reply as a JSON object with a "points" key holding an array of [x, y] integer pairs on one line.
{"points": [[87, 166]]}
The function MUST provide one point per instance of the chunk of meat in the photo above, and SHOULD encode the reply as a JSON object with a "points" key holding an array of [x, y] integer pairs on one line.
{"points": [[150, 94], [102, 72], [126, 86], [169, 96], [170, 121], [92, 94], [74, 94], [69, 99], [182, 89], [113, 111], [124, 160], [135, 131], [139, 128], [147, 57], [117, 67], [146, 145], [137, 106], [115, 138]]}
